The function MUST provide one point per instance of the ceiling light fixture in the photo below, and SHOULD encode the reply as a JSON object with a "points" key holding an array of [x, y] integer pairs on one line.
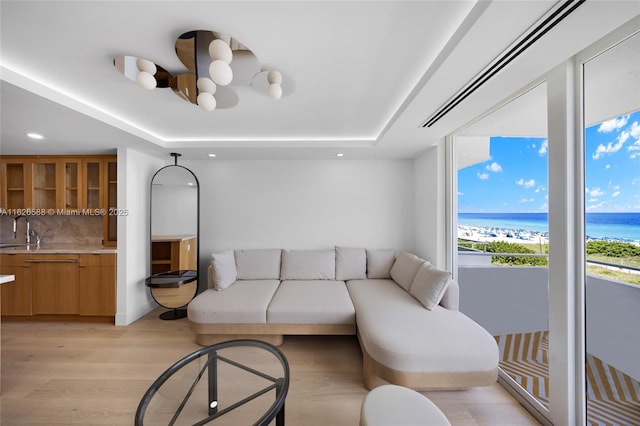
{"points": [[212, 155], [339, 154], [216, 62], [35, 135]]}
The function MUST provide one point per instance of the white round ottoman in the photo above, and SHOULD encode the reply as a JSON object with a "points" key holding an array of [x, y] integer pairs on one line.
{"points": [[392, 405]]}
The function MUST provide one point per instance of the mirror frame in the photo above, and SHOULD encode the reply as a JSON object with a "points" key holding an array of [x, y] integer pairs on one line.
{"points": [[175, 164]]}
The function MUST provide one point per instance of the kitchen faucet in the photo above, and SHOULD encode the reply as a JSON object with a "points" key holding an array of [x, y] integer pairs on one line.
{"points": [[28, 231]]}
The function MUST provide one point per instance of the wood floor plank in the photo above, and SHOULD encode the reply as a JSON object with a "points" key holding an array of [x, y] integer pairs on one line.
{"points": [[95, 374]]}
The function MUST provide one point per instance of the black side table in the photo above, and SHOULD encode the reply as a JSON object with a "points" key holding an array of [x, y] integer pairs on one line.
{"points": [[173, 290]]}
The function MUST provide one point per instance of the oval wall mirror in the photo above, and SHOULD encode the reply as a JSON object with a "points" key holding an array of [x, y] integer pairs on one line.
{"points": [[175, 227]]}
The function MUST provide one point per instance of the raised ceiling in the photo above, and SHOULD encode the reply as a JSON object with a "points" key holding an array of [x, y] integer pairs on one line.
{"points": [[367, 73]]}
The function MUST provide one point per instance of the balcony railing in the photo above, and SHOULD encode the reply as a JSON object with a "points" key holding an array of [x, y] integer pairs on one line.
{"points": [[513, 301]]}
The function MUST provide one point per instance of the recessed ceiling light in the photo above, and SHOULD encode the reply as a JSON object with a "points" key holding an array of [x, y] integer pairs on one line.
{"points": [[35, 135], [212, 155], [339, 154]]}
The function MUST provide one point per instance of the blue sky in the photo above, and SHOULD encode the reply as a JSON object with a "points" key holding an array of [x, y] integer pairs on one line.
{"points": [[514, 179]]}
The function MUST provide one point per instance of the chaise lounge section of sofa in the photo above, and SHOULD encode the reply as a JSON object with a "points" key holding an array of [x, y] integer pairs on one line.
{"points": [[403, 310]]}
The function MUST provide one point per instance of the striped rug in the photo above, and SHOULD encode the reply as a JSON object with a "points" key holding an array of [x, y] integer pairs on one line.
{"points": [[613, 398]]}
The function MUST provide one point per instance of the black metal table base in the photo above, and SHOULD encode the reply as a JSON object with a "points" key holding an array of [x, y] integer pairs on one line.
{"points": [[174, 314]]}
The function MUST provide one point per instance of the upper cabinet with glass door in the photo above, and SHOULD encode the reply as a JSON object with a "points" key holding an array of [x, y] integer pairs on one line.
{"points": [[46, 190], [16, 181], [55, 183], [93, 171], [71, 184]]}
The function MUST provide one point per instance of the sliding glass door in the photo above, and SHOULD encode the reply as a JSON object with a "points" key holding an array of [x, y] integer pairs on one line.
{"points": [[548, 259], [612, 219], [503, 237]]}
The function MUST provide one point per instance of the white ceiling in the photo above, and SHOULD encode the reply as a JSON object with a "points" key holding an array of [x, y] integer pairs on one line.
{"points": [[367, 74]]}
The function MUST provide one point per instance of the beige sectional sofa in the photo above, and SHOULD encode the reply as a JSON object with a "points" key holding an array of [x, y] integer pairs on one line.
{"points": [[404, 311]]}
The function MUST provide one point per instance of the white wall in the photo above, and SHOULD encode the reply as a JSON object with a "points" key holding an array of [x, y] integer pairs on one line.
{"points": [[134, 177], [430, 207], [305, 204]]}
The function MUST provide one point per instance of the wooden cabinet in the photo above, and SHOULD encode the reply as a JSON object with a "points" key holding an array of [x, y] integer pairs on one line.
{"points": [[93, 179], [71, 184], [110, 200], [51, 184], [173, 253], [54, 280], [16, 183], [58, 182], [46, 192], [97, 276], [66, 285], [16, 295]]}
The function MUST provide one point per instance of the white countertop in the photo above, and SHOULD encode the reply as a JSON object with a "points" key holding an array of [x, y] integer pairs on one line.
{"points": [[7, 278], [167, 238]]}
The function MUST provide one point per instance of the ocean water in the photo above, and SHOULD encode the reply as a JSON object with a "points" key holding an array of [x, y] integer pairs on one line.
{"points": [[616, 226]]}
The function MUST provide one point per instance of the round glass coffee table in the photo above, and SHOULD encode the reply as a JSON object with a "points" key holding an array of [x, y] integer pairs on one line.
{"points": [[239, 382]]}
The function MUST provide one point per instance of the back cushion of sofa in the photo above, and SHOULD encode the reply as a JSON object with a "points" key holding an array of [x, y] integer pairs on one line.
{"points": [[308, 265], [379, 262], [258, 264], [351, 263], [405, 268]]}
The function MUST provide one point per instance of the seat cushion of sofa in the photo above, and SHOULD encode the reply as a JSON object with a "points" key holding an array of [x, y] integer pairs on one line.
{"points": [[398, 332], [244, 302], [311, 302]]}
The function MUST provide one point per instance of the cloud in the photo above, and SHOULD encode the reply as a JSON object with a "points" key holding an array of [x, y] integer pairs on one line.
{"points": [[543, 148], [634, 132], [460, 193], [595, 206], [596, 192], [613, 124], [544, 207], [611, 147], [483, 176], [494, 167], [615, 194], [526, 183], [527, 200], [607, 167], [592, 200], [540, 188]]}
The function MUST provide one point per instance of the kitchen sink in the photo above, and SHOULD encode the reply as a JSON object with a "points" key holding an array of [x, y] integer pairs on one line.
{"points": [[12, 245]]}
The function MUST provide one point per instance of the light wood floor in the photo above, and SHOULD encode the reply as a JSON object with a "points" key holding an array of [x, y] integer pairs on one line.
{"points": [[95, 374]]}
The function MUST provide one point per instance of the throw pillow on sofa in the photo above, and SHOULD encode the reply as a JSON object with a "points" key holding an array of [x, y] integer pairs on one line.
{"points": [[405, 268], [379, 263], [224, 269], [351, 263], [430, 285]]}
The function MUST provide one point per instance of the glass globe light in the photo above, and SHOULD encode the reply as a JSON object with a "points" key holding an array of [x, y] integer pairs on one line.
{"points": [[206, 101], [274, 77], [275, 91], [205, 84], [220, 72], [220, 50], [146, 80], [146, 66]]}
